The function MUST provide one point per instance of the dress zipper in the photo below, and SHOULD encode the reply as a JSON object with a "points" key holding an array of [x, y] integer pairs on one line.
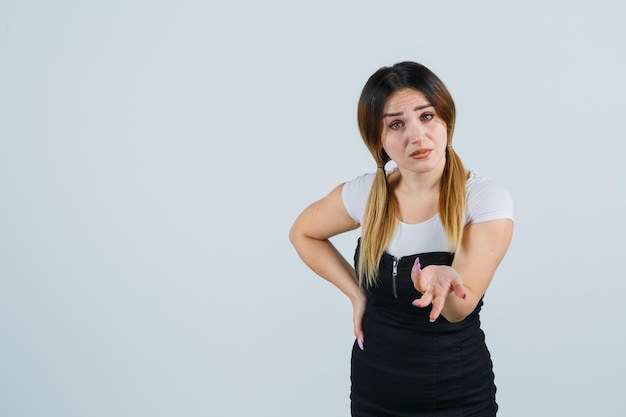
{"points": [[394, 276]]}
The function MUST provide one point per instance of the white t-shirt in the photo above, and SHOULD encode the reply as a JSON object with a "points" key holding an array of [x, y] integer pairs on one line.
{"points": [[486, 200]]}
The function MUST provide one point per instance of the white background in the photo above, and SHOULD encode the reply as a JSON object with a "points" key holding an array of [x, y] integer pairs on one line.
{"points": [[153, 155]]}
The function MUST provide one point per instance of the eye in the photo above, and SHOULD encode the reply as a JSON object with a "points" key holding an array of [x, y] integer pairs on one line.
{"points": [[427, 116], [396, 124]]}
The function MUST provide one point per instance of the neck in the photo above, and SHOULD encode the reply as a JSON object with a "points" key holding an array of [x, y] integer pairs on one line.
{"points": [[418, 183]]}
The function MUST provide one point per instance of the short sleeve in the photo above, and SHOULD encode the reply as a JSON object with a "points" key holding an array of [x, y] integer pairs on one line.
{"points": [[355, 194], [487, 200]]}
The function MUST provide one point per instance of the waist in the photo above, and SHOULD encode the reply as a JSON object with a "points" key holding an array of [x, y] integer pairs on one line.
{"points": [[397, 314]]}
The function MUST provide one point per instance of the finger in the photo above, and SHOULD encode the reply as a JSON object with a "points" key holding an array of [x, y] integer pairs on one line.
{"points": [[359, 338], [459, 290], [438, 303], [422, 282], [426, 299], [359, 342], [358, 331], [417, 268], [416, 274]]}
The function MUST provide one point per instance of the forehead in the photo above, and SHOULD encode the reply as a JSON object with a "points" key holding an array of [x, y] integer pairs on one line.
{"points": [[407, 97]]}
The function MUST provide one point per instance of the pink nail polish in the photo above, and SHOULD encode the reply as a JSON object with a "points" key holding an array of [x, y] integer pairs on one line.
{"points": [[416, 266], [360, 343]]}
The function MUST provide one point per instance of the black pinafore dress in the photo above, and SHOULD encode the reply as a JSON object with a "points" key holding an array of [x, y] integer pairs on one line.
{"points": [[411, 367]]}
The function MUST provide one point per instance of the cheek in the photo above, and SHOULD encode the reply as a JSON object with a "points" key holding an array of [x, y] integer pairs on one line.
{"points": [[389, 145], [441, 132], [384, 142], [391, 139], [444, 129]]}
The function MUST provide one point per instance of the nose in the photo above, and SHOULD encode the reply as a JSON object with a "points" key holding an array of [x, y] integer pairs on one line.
{"points": [[416, 132]]}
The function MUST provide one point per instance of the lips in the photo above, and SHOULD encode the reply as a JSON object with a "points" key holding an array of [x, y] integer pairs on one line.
{"points": [[420, 153]]}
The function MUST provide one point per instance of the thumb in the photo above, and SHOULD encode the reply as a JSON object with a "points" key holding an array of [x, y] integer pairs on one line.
{"points": [[360, 341], [417, 268], [358, 331]]}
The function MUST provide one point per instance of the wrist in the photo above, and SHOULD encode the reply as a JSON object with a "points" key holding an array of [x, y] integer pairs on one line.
{"points": [[358, 297]]}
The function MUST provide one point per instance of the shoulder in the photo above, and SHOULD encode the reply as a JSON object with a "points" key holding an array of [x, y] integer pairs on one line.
{"points": [[355, 193], [487, 199], [478, 183], [362, 181]]}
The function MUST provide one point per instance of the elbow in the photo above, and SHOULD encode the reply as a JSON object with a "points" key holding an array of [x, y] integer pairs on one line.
{"points": [[295, 234]]}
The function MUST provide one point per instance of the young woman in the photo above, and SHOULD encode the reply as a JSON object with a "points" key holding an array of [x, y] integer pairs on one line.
{"points": [[432, 237]]}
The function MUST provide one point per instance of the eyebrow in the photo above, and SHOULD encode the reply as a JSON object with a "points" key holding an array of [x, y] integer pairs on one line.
{"points": [[401, 113]]}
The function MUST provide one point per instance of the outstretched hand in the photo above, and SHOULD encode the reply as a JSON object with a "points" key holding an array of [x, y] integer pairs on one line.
{"points": [[435, 282]]}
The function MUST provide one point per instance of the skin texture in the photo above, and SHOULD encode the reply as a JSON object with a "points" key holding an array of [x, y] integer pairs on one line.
{"points": [[309, 235], [413, 135], [415, 139]]}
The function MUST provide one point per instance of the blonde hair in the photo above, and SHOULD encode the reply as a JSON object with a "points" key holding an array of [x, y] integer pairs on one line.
{"points": [[381, 210]]}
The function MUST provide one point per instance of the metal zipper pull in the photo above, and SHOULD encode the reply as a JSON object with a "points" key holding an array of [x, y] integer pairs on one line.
{"points": [[393, 277]]}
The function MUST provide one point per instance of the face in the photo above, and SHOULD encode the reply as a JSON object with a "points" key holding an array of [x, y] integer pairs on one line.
{"points": [[413, 136]]}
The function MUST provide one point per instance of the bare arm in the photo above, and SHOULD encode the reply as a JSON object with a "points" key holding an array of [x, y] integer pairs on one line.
{"points": [[309, 235], [475, 263]]}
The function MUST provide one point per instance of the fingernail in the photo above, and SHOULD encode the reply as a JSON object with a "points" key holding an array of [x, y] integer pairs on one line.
{"points": [[431, 320], [360, 343], [416, 266]]}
